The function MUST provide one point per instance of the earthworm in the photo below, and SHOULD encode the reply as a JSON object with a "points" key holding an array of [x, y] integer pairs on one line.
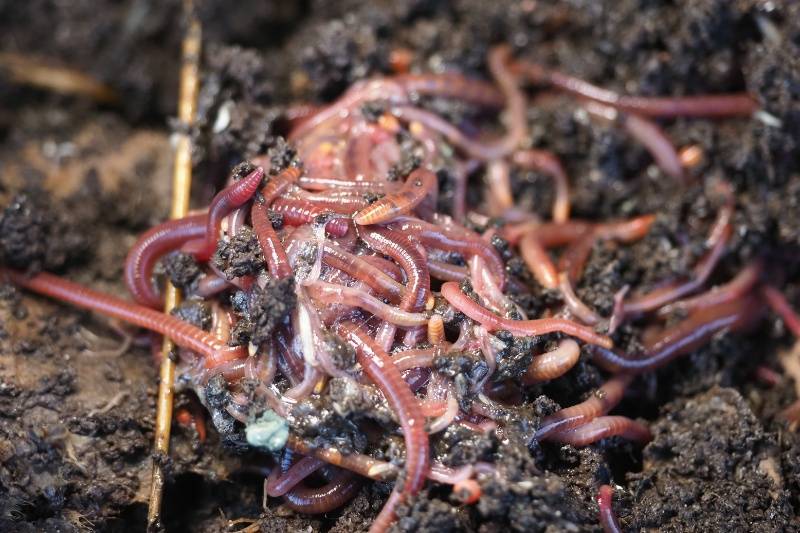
{"points": [[515, 107], [415, 358], [338, 491], [713, 105], [685, 336], [417, 186], [486, 288], [781, 307], [448, 475], [378, 365], [574, 258], [608, 520], [599, 403], [148, 248], [548, 163], [397, 246], [360, 268], [447, 271], [298, 212], [662, 296], [468, 491], [361, 464], [602, 428], [389, 267], [736, 288], [211, 284], [330, 293], [553, 364], [274, 254], [183, 334], [453, 238], [498, 181], [575, 305], [657, 143], [451, 85], [325, 184], [278, 485], [436, 329], [452, 293], [344, 200], [223, 203], [552, 234], [538, 261]]}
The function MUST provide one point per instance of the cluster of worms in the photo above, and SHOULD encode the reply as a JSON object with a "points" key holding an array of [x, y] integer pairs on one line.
{"points": [[385, 284]]}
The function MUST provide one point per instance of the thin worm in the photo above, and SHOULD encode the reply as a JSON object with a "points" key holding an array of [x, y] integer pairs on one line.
{"points": [[380, 368], [453, 238], [452, 293], [298, 212], [553, 364], [419, 184], [360, 268], [498, 181], [780, 305], [278, 485], [604, 427], [552, 234], [599, 403], [338, 491], [548, 163], [330, 293], [682, 338], [538, 261], [447, 271], [325, 184], [452, 85], [436, 330], [223, 203], [183, 334], [748, 277], [712, 105], [657, 143], [153, 244], [274, 253], [575, 305], [608, 520]]}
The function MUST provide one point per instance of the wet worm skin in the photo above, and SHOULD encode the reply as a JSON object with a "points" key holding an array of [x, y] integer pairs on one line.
{"points": [[278, 485], [183, 334], [716, 105], [548, 163], [452, 293], [682, 338], [274, 252], [453, 86], [599, 403], [537, 260], [397, 246], [602, 428], [151, 246], [228, 199], [608, 520], [331, 294], [380, 368], [360, 269], [417, 186], [553, 364], [339, 490], [299, 212]]}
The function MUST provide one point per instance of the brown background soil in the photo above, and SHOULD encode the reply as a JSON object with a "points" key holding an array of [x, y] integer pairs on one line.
{"points": [[78, 182]]}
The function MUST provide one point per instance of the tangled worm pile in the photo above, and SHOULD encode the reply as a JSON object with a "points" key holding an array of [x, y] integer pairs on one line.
{"points": [[345, 268]]}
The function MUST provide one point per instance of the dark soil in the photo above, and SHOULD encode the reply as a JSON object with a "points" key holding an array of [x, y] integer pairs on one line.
{"points": [[78, 182]]}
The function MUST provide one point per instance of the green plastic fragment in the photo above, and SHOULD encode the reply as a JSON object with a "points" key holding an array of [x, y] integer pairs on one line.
{"points": [[268, 431]]}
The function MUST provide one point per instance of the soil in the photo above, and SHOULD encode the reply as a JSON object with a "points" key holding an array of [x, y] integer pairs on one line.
{"points": [[80, 181]]}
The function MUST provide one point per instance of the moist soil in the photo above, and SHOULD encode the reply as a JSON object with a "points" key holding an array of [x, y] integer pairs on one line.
{"points": [[79, 181]]}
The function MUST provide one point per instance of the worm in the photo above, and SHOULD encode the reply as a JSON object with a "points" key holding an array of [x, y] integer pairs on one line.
{"points": [[452, 293], [330, 293], [548, 163], [380, 368], [538, 261], [778, 303], [183, 334], [338, 491], [604, 427], [419, 184], [553, 364], [152, 245], [608, 520], [298, 212], [223, 203], [360, 268]]}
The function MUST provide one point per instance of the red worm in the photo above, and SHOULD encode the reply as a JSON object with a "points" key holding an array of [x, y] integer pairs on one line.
{"points": [[602, 428], [778, 303], [223, 203], [418, 185], [274, 253], [553, 364], [338, 491], [682, 338], [734, 289], [656, 142], [453, 86], [446, 271], [599, 403], [538, 261], [278, 485], [183, 334], [332, 294], [359, 269], [397, 246], [153, 244], [717, 105], [552, 234], [452, 293], [453, 238], [380, 368], [298, 212], [607, 517], [324, 184]]}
